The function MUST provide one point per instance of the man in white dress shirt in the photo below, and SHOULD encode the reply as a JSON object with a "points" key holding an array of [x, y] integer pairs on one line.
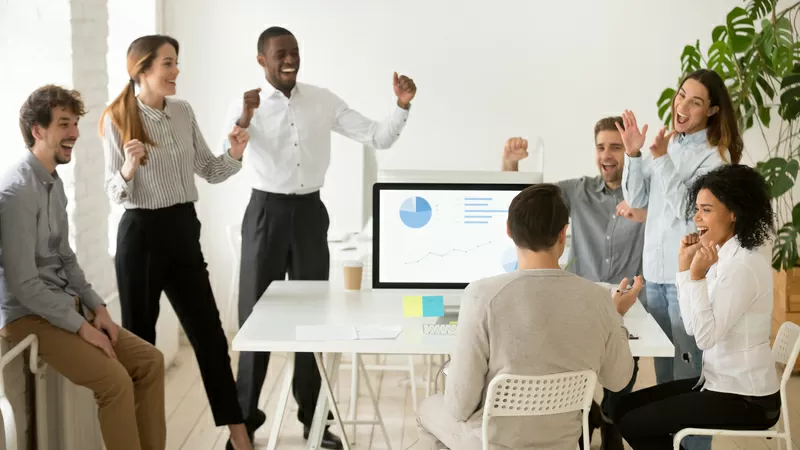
{"points": [[285, 226]]}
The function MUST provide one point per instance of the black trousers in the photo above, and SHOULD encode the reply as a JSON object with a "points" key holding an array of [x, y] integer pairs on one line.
{"points": [[280, 234], [159, 250], [648, 419]]}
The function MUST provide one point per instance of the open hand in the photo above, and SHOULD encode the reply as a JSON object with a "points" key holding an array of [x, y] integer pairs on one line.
{"points": [[623, 297], [631, 136], [238, 137], [103, 322], [96, 337], [705, 257], [660, 143], [404, 89], [688, 247]]}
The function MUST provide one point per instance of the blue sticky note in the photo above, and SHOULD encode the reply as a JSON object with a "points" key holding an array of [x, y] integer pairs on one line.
{"points": [[432, 306]]}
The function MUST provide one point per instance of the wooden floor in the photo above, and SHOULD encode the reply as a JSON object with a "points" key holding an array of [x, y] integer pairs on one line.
{"points": [[191, 427]]}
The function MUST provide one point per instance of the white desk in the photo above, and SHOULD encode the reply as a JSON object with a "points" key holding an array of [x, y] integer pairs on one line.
{"points": [[287, 304]]}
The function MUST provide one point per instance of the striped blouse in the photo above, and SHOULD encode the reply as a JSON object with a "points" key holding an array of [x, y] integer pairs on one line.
{"points": [[168, 177]]}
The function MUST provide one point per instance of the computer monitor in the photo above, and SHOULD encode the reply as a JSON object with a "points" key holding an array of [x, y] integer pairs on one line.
{"points": [[440, 235]]}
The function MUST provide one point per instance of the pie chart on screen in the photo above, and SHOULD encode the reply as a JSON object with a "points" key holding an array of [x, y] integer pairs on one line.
{"points": [[509, 260], [415, 212]]}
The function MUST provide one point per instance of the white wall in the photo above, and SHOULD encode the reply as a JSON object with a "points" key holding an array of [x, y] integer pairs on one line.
{"points": [[485, 71]]}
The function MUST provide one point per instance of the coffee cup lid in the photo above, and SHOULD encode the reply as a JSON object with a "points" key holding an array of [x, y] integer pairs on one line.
{"points": [[353, 263]]}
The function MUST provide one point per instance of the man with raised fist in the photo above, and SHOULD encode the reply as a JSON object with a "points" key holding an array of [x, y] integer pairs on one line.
{"points": [[285, 226]]}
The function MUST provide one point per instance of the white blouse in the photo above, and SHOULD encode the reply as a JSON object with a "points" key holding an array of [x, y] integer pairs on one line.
{"points": [[730, 315]]}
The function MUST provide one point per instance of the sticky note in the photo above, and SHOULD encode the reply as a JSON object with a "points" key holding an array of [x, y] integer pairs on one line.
{"points": [[412, 306], [432, 306]]}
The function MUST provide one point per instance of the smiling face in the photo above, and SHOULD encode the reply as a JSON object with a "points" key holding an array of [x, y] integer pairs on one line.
{"points": [[161, 77], [56, 141], [692, 107], [610, 155], [715, 222], [280, 59]]}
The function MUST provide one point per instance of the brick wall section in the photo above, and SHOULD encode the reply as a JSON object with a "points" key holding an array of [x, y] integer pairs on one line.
{"points": [[63, 42], [89, 205]]}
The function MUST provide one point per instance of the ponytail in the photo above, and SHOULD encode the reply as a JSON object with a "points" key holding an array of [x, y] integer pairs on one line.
{"points": [[124, 114]]}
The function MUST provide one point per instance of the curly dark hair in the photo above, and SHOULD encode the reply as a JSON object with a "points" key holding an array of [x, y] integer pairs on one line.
{"points": [[38, 108], [745, 192]]}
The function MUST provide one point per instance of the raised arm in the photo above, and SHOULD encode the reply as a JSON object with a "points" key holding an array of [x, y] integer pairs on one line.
{"points": [[634, 181], [515, 150], [379, 135], [18, 244], [216, 168], [466, 380]]}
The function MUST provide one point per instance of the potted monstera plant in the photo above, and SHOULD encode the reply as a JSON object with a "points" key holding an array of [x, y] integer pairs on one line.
{"points": [[757, 52]]}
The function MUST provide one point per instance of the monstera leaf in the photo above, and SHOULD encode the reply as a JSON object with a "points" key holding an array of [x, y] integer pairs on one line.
{"points": [[720, 59], [790, 94], [665, 106], [777, 45], [757, 9], [738, 31], [779, 174], [784, 249], [691, 58]]}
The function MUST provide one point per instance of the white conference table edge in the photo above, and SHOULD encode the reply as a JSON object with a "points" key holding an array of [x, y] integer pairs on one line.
{"points": [[651, 342]]}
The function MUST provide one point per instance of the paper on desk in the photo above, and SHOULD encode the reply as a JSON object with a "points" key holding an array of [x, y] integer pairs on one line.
{"points": [[346, 332]]}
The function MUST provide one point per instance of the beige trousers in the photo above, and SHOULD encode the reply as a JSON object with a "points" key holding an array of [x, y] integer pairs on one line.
{"points": [[438, 429], [129, 391]]}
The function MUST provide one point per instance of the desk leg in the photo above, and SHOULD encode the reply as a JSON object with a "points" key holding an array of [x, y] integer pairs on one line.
{"points": [[354, 385], [326, 400], [280, 409]]}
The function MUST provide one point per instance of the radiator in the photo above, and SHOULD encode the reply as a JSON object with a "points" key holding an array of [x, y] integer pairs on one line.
{"points": [[65, 414]]}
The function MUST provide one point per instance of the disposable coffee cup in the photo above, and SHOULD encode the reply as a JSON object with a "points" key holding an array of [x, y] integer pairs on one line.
{"points": [[353, 272]]}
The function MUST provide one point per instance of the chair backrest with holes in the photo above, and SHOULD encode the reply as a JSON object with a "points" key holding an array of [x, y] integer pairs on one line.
{"points": [[787, 343], [517, 395]]}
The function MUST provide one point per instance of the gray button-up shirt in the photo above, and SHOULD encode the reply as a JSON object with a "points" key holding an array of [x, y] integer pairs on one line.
{"points": [[39, 273], [605, 247]]}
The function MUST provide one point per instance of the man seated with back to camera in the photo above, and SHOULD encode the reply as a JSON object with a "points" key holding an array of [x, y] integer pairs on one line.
{"points": [[538, 320], [607, 237]]}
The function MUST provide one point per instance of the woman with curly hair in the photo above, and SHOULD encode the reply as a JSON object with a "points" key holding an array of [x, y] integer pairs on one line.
{"points": [[725, 295]]}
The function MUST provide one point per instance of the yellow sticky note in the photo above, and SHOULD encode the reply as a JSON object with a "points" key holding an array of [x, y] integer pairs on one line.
{"points": [[412, 306]]}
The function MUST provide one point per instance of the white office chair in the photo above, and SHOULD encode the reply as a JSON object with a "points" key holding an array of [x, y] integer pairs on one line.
{"points": [[785, 350], [515, 395]]}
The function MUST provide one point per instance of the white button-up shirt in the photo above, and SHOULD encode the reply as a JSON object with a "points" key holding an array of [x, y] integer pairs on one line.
{"points": [[290, 138], [661, 185], [729, 313]]}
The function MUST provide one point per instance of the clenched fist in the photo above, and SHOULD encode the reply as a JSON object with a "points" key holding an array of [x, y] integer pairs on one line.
{"points": [[135, 156], [251, 100], [516, 149], [238, 137]]}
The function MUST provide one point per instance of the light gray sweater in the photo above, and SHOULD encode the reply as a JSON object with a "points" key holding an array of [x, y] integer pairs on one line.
{"points": [[534, 322]]}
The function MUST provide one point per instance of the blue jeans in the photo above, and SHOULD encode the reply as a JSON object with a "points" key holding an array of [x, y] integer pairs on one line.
{"points": [[662, 304]]}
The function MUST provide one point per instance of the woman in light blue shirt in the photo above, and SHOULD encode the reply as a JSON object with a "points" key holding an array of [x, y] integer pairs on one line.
{"points": [[706, 136]]}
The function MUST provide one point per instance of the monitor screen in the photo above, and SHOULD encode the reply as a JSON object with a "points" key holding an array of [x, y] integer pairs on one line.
{"points": [[429, 235]]}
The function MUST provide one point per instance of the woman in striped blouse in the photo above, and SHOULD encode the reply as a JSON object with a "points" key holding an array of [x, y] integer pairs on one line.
{"points": [[153, 149]]}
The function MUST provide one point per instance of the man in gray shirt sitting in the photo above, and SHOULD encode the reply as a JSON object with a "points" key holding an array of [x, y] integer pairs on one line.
{"points": [[43, 290], [607, 235], [538, 320]]}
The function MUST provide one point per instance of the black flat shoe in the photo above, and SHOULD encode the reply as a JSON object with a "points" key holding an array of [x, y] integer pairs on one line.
{"points": [[329, 440]]}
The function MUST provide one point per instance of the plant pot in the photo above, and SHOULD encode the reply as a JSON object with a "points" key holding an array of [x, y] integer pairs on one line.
{"points": [[786, 301]]}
